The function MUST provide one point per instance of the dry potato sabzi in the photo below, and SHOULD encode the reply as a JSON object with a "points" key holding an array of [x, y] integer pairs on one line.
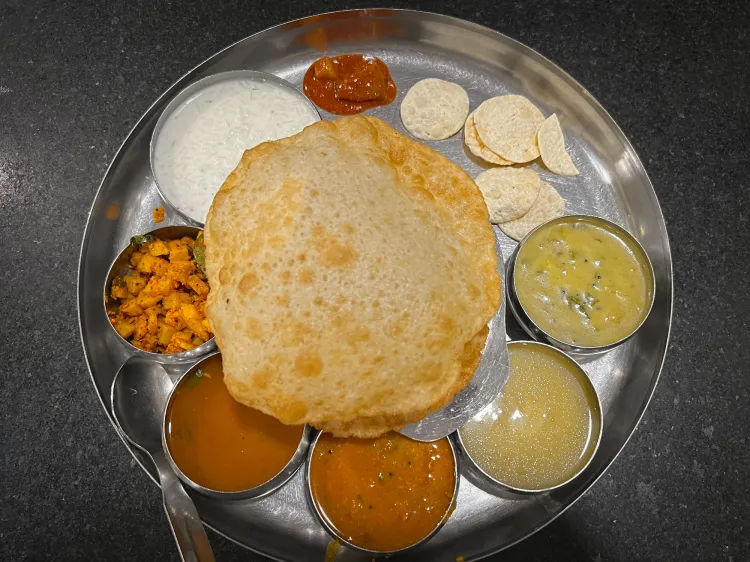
{"points": [[158, 214], [161, 300]]}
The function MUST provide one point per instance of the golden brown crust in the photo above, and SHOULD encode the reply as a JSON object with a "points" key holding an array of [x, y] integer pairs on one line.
{"points": [[458, 195], [350, 269], [376, 426]]}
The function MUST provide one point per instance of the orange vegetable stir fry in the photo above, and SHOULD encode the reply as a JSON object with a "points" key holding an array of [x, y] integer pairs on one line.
{"points": [[162, 298]]}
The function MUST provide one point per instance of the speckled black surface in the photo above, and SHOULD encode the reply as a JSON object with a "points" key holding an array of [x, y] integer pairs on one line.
{"points": [[75, 76]]}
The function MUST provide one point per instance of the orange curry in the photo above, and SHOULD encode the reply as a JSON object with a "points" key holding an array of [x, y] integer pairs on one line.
{"points": [[218, 442], [349, 84], [382, 494]]}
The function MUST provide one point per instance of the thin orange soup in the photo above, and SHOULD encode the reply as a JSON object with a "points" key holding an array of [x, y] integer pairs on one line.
{"points": [[382, 494], [218, 442]]}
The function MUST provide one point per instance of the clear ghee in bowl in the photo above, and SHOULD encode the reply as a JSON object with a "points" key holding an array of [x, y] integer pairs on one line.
{"points": [[543, 428]]}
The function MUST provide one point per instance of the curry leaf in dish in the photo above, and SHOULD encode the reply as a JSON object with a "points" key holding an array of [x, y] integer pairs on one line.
{"points": [[141, 239], [199, 252]]}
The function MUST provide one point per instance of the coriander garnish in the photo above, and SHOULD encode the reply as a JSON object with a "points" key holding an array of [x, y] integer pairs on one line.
{"points": [[194, 379]]}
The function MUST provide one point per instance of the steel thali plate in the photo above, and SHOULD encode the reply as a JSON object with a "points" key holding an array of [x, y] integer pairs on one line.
{"points": [[613, 184]]}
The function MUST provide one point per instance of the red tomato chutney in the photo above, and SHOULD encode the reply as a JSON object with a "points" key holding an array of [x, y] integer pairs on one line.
{"points": [[382, 494], [349, 84], [219, 443]]}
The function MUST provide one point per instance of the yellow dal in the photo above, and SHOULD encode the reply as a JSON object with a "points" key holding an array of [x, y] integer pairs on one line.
{"points": [[540, 431], [582, 284]]}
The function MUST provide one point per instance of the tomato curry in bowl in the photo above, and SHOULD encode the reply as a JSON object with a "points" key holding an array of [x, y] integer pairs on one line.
{"points": [[382, 495]]}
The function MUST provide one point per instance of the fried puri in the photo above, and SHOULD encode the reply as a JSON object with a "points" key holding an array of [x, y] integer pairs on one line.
{"points": [[353, 272]]}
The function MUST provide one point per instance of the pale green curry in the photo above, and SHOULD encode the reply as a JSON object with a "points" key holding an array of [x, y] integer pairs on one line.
{"points": [[581, 283]]}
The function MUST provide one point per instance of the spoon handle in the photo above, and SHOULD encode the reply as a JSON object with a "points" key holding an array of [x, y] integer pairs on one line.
{"points": [[187, 528]]}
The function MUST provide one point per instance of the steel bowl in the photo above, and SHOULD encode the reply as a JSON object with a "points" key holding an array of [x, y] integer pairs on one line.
{"points": [[267, 487], [528, 324], [191, 91], [121, 266], [376, 553], [483, 480]]}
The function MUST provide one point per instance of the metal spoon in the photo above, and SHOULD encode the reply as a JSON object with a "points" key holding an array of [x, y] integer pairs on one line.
{"points": [[139, 395]]}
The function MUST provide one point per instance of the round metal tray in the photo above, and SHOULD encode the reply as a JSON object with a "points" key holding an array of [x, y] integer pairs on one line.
{"points": [[613, 184]]}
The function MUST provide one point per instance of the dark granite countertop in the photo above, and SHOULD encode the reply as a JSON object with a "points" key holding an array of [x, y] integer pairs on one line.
{"points": [[75, 77]]}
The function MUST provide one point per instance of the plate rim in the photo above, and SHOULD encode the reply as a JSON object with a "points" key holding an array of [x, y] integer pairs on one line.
{"points": [[472, 26]]}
